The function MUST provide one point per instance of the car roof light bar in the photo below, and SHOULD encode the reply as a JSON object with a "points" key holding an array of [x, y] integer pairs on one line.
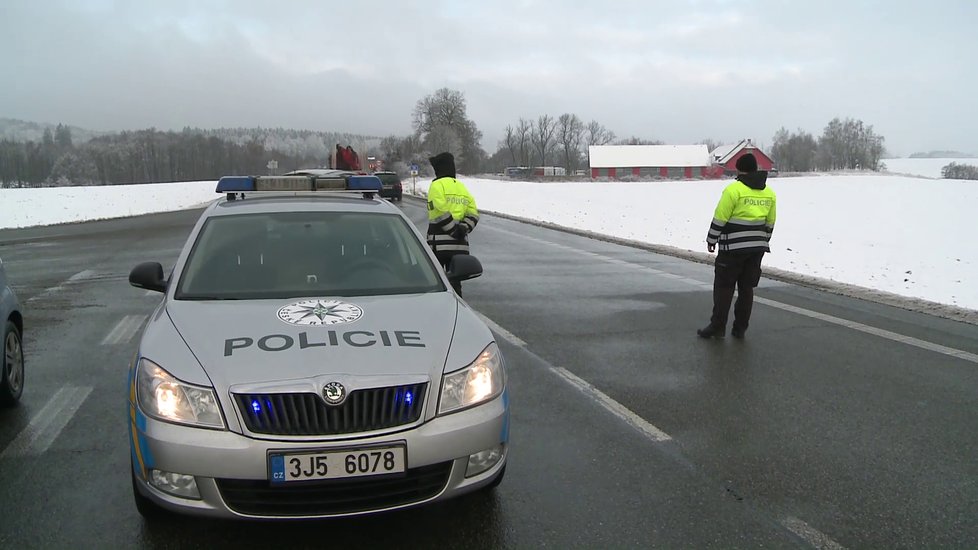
{"points": [[357, 183]]}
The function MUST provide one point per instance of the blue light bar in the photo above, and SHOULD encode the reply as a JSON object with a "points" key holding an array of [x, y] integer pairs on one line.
{"points": [[364, 183], [236, 184], [299, 183]]}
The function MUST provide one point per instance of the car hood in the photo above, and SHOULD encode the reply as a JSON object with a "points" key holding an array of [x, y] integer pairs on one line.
{"points": [[296, 344]]}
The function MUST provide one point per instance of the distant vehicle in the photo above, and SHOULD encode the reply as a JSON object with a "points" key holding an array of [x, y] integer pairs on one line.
{"points": [[309, 359], [12, 362], [393, 189]]}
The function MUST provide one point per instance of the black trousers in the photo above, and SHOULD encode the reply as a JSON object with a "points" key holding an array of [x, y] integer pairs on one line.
{"points": [[741, 271], [445, 258]]}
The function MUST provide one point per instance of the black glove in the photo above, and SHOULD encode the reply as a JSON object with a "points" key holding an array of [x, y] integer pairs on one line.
{"points": [[460, 231]]}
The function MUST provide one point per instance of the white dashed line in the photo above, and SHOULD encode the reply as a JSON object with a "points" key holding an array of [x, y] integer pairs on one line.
{"points": [[47, 292], [47, 424], [609, 404], [809, 534], [123, 330], [616, 408], [81, 275], [893, 336]]}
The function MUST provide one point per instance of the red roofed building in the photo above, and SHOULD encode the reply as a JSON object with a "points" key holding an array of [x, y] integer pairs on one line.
{"points": [[655, 161], [726, 156]]}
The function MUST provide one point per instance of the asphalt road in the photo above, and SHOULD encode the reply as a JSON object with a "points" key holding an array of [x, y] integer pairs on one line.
{"points": [[837, 423]]}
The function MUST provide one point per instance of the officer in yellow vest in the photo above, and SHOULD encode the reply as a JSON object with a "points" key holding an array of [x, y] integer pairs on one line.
{"points": [[452, 213], [742, 226]]}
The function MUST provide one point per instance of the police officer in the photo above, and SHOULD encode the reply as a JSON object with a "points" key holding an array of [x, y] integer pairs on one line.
{"points": [[742, 226], [452, 213]]}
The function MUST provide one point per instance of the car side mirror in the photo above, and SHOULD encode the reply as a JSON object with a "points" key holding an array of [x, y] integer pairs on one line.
{"points": [[463, 267], [148, 275]]}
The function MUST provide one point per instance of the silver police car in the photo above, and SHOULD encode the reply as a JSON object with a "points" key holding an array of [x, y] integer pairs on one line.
{"points": [[12, 361], [309, 359]]}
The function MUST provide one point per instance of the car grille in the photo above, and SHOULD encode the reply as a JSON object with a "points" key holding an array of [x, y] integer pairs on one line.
{"points": [[261, 498], [308, 414]]}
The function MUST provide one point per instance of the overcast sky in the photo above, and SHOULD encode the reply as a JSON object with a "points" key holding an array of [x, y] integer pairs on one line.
{"points": [[678, 71]]}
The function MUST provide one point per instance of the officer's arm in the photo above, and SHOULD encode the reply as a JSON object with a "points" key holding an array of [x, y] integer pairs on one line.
{"points": [[721, 215], [771, 217], [471, 213], [438, 213]]}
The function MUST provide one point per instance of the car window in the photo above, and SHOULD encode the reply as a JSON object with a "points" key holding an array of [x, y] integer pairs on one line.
{"points": [[389, 179], [305, 254]]}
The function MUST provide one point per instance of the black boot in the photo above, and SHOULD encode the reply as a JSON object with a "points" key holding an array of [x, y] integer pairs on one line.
{"points": [[737, 332], [711, 331]]}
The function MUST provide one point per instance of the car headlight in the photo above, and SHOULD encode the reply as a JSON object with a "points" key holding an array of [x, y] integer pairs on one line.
{"points": [[481, 381], [163, 397]]}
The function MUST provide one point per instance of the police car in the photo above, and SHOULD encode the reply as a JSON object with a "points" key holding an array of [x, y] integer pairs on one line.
{"points": [[309, 359]]}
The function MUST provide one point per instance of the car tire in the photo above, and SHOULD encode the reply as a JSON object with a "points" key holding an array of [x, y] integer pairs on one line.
{"points": [[11, 366], [146, 507]]}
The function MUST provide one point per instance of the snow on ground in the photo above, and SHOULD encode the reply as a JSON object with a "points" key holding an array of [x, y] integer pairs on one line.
{"points": [[928, 168], [896, 234], [53, 205]]}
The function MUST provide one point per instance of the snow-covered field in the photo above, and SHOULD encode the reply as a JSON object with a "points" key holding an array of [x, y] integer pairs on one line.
{"points": [[928, 168], [901, 235], [52, 205]]}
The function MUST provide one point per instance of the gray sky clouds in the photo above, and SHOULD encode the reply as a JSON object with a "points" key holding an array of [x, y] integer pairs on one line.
{"points": [[678, 71]]}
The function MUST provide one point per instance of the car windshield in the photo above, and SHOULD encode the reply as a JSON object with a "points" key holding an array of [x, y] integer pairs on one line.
{"points": [[389, 179], [297, 254]]}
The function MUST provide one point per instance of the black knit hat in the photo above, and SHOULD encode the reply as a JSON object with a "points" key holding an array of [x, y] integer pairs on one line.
{"points": [[747, 163], [444, 165]]}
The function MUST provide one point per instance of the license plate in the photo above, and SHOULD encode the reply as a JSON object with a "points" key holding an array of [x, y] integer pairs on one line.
{"points": [[338, 464]]}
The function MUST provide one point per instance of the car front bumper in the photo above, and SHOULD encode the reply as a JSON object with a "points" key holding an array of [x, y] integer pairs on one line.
{"points": [[225, 463]]}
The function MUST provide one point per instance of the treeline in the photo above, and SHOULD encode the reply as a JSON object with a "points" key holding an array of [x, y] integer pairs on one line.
{"points": [[942, 155], [844, 145], [548, 141], [441, 123], [145, 156], [957, 171]]}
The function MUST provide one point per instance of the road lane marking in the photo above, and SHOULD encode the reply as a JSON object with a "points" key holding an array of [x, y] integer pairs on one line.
{"points": [[616, 408], [80, 276], [909, 340], [809, 534], [601, 398], [123, 330], [507, 335], [881, 333], [47, 424]]}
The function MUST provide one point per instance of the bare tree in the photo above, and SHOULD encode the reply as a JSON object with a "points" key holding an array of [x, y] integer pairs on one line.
{"points": [[523, 133], [570, 131], [512, 142], [635, 140], [710, 143], [596, 134], [543, 135], [440, 120], [445, 107]]}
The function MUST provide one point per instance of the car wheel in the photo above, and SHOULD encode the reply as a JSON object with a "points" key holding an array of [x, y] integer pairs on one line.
{"points": [[12, 366], [146, 507]]}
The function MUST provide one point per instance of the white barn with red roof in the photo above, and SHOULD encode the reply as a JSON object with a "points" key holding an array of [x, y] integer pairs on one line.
{"points": [[665, 161]]}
